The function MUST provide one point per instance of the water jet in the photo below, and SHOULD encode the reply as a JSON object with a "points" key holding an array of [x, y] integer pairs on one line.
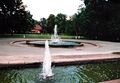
{"points": [[46, 67]]}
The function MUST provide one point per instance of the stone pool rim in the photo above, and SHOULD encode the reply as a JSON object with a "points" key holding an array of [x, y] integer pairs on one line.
{"points": [[64, 61]]}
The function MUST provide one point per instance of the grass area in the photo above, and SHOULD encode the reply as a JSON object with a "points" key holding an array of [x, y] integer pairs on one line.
{"points": [[33, 36]]}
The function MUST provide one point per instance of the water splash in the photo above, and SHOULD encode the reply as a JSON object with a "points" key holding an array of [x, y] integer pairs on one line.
{"points": [[46, 67], [55, 38]]}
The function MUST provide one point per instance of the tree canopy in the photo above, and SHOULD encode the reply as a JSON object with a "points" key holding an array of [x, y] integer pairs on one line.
{"points": [[99, 20], [49, 23], [13, 17]]}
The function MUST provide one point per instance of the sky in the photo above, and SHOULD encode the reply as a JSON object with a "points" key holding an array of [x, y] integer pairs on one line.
{"points": [[43, 8]]}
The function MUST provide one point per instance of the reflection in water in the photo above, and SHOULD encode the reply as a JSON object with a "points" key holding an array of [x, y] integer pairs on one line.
{"points": [[89, 73]]}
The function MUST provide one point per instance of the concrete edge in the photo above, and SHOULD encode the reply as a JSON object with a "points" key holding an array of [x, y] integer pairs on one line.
{"points": [[61, 61], [111, 81]]}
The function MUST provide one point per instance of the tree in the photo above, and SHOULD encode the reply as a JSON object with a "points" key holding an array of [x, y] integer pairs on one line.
{"points": [[13, 17], [104, 18], [50, 23], [43, 24], [99, 20], [61, 22], [69, 30]]}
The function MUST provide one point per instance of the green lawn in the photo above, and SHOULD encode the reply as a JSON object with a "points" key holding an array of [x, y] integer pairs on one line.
{"points": [[33, 36]]}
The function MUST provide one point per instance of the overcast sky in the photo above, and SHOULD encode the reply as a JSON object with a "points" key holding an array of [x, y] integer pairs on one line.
{"points": [[43, 8]]}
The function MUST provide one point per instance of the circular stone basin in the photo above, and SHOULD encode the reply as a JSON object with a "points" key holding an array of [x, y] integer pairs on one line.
{"points": [[54, 44]]}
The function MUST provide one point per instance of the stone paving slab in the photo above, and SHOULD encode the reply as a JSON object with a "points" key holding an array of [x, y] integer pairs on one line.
{"points": [[61, 60]]}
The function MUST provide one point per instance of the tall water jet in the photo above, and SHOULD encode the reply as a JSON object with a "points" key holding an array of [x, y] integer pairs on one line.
{"points": [[55, 38], [55, 31], [46, 69]]}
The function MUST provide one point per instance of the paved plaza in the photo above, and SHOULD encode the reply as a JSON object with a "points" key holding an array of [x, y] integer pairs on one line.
{"points": [[17, 53]]}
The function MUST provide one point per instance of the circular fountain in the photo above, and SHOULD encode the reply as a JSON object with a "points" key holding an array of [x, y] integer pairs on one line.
{"points": [[55, 41], [39, 43]]}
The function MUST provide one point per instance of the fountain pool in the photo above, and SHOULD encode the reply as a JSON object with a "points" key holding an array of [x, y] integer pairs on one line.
{"points": [[55, 41], [39, 43], [87, 73]]}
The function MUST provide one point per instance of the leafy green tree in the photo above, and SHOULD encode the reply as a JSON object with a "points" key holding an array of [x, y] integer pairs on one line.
{"points": [[50, 23], [61, 22], [43, 24], [13, 17], [104, 18], [99, 20], [69, 30]]}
